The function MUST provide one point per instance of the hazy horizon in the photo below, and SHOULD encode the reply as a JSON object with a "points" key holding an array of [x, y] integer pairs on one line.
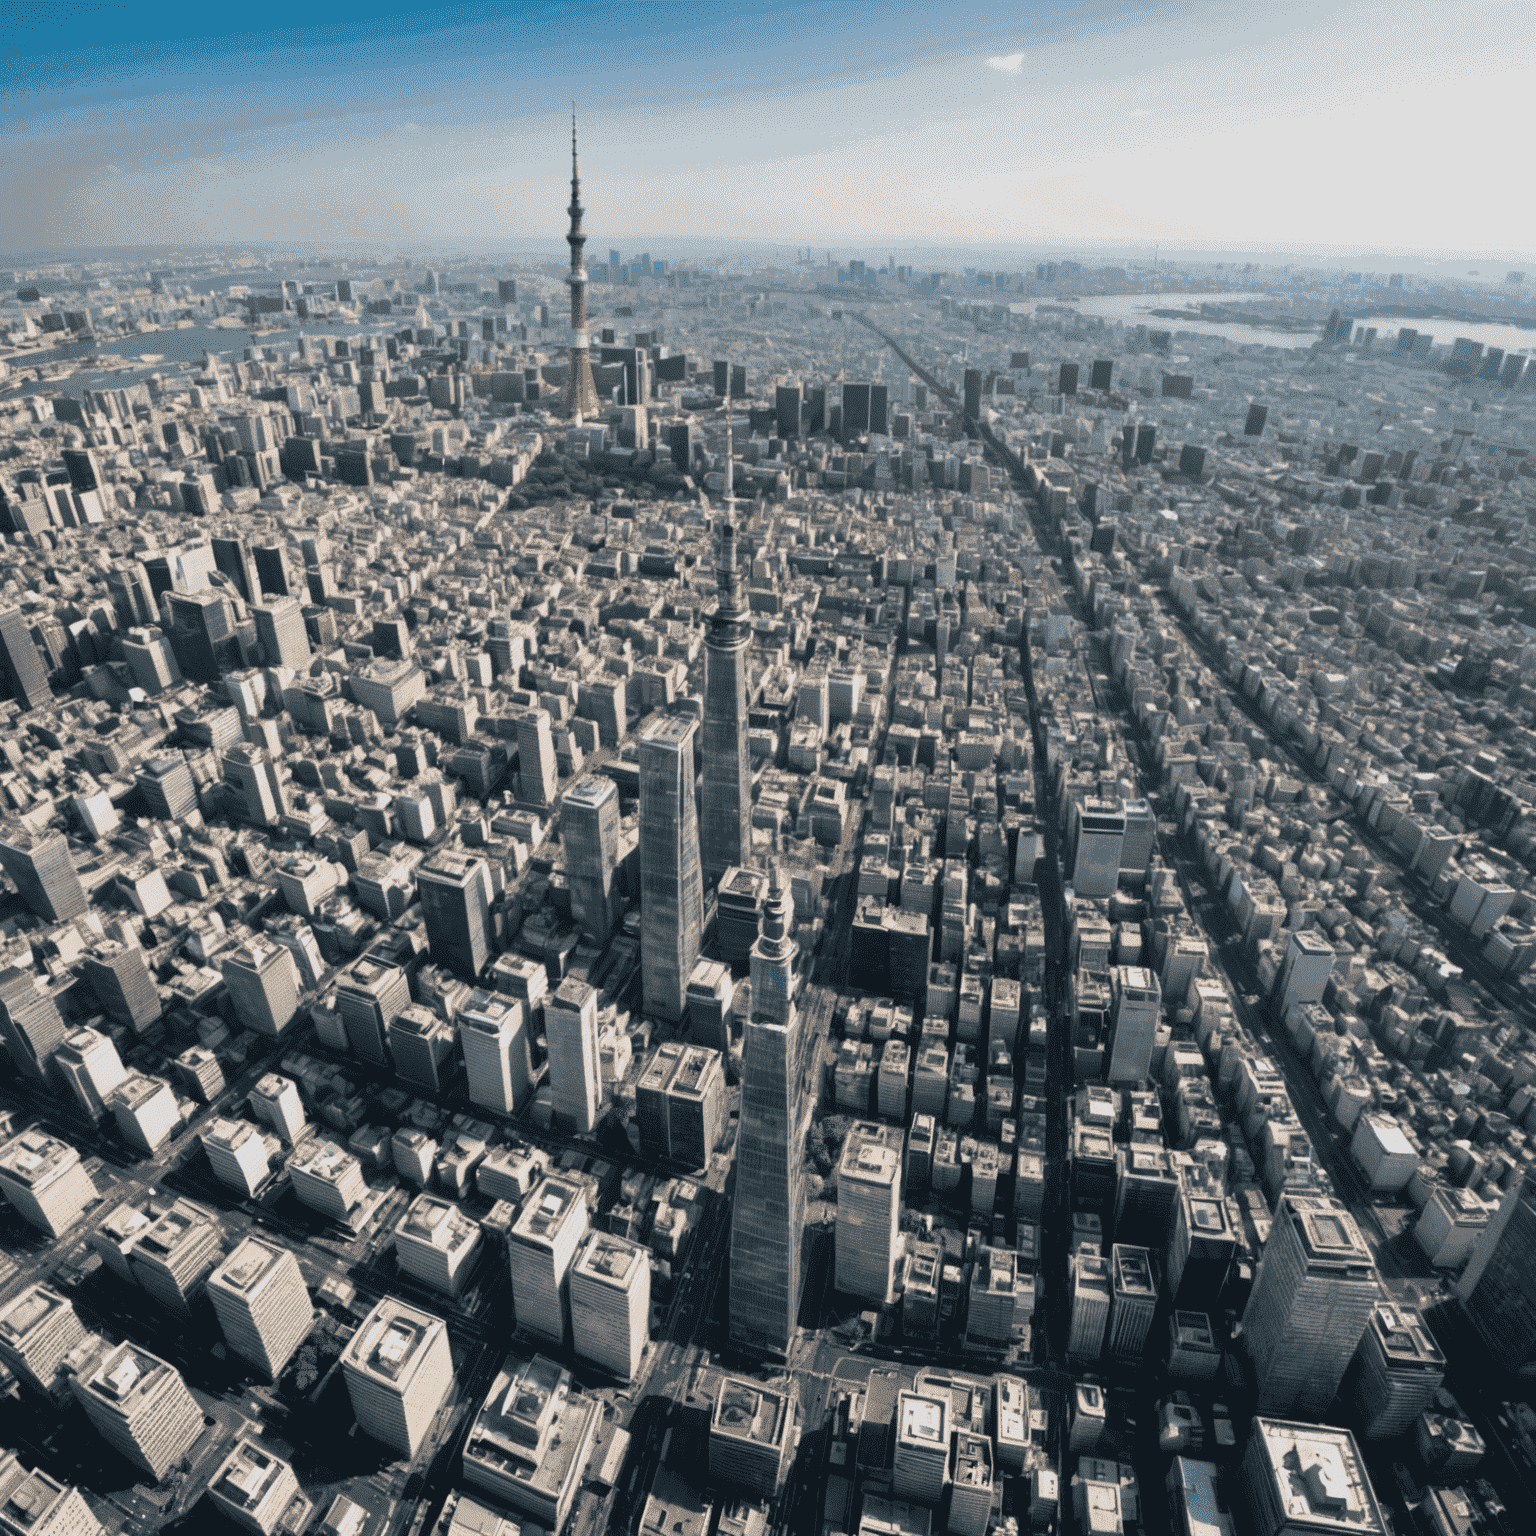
{"points": [[1115, 124]]}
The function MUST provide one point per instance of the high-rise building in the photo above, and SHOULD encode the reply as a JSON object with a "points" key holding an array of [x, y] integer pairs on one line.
{"points": [[1137, 1009], [399, 1371], [455, 893], [262, 1304], [671, 891], [970, 1486], [124, 985], [329, 1180], [769, 1211], [236, 1153], [1306, 1480], [751, 1436], [252, 1488], [41, 869], [141, 1407], [1312, 1299], [541, 1247], [1088, 1277], [173, 1259], [437, 1244], [203, 635], [145, 1110], [368, 1001], [589, 829], [38, 1328], [261, 796], [275, 1102], [168, 788], [869, 1211], [272, 570], [493, 1033], [1133, 1301], [30, 1023], [35, 1504], [1200, 1250], [537, 773], [921, 1464], [1096, 861], [45, 1181], [531, 1440], [1497, 1289], [263, 985], [1396, 1371], [725, 836], [232, 557], [578, 400], [21, 668], [610, 1287], [1305, 970], [575, 1073]]}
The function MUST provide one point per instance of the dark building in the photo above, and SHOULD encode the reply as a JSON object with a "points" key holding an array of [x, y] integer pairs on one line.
{"points": [[1066, 383], [973, 394], [25, 677], [1257, 416], [879, 401], [203, 635], [855, 411], [1103, 372], [786, 408]]}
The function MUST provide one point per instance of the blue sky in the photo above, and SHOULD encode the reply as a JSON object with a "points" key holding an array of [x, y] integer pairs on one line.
{"points": [[916, 121]]}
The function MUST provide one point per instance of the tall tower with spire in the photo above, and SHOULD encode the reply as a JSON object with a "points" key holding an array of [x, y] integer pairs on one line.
{"points": [[579, 400], [726, 800], [768, 1217]]}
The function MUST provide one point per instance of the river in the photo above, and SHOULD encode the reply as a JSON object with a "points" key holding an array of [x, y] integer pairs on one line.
{"points": [[1136, 309]]}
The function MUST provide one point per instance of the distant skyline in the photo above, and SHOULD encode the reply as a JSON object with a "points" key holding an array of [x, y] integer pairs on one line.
{"points": [[1391, 128]]}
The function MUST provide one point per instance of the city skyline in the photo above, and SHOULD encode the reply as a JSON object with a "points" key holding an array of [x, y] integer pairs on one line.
{"points": [[1120, 122]]}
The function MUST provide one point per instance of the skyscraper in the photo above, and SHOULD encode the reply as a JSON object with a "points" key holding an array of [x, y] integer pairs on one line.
{"points": [[610, 1285], [455, 902], [30, 1023], [1498, 1288], [493, 1033], [368, 1001], [141, 1408], [769, 1212], [38, 1328], [45, 1181], [88, 1062], [537, 773], [1312, 1298], [575, 1074], [21, 668], [671, 891], [35, 1504], [725, 837], [123, 983], [203, 633], [263, 985], [589, 829], [250, 771], [579, 399], [869, 1211], [39, 865], [398, 1371], [541, 1247], [280, 628]]}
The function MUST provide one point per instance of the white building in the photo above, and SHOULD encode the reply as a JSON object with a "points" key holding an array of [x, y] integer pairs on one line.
{"points": [[45, 1180], [237, 1154], [252, 1488], [145, 1110], [493, 1032], [437, 1244], [541, 1247], [610, 1287], [399, 1372], [869, 1212], [141, 1407], [262, 1304], [276, 1103]]}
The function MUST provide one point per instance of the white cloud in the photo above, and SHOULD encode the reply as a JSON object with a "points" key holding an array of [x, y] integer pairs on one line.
{"points": [[1141, 112], [1007, 63], [408, 127]]}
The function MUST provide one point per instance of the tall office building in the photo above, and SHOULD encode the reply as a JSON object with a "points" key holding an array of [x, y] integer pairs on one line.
{"points": [[141, 1407], [203, 635], [537, 774], [1305, 970], [124, 985], [168, 788], [1396, 1371], [21, 668], [751, 1436], [145, 1110], [1133, 1301], [172, 1260], [263, 985], [1312, 1299], [769, 1211], [1136, 1011], [725, 836], [869, 1211], [921, 1462], [455, 891], [280, 628], [369, 1000], [275, 1102], [1096, 864], [493, 1034], [1307, 1480], [610, 1287], [261, 795], [252, 1488], [236, 1153], [35, 1504], [398, 1371], [30, 1023], [671, 890], [575, 1073], [91, 1068], [232, 557], [1497, 1289], [45, 1181], [43, 872], [530, 1441], [1088, 1277], [1200, 1250], [589, 829], [437, 1244], [38, 1328], [578, 400], [272, 569], [541, 1247]]}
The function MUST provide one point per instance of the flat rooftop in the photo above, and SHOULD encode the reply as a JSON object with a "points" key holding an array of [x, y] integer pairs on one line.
{"points": [[392, 1340], [34, 1158], [1319, 1476], [746, 1410], [545, 1210]]}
